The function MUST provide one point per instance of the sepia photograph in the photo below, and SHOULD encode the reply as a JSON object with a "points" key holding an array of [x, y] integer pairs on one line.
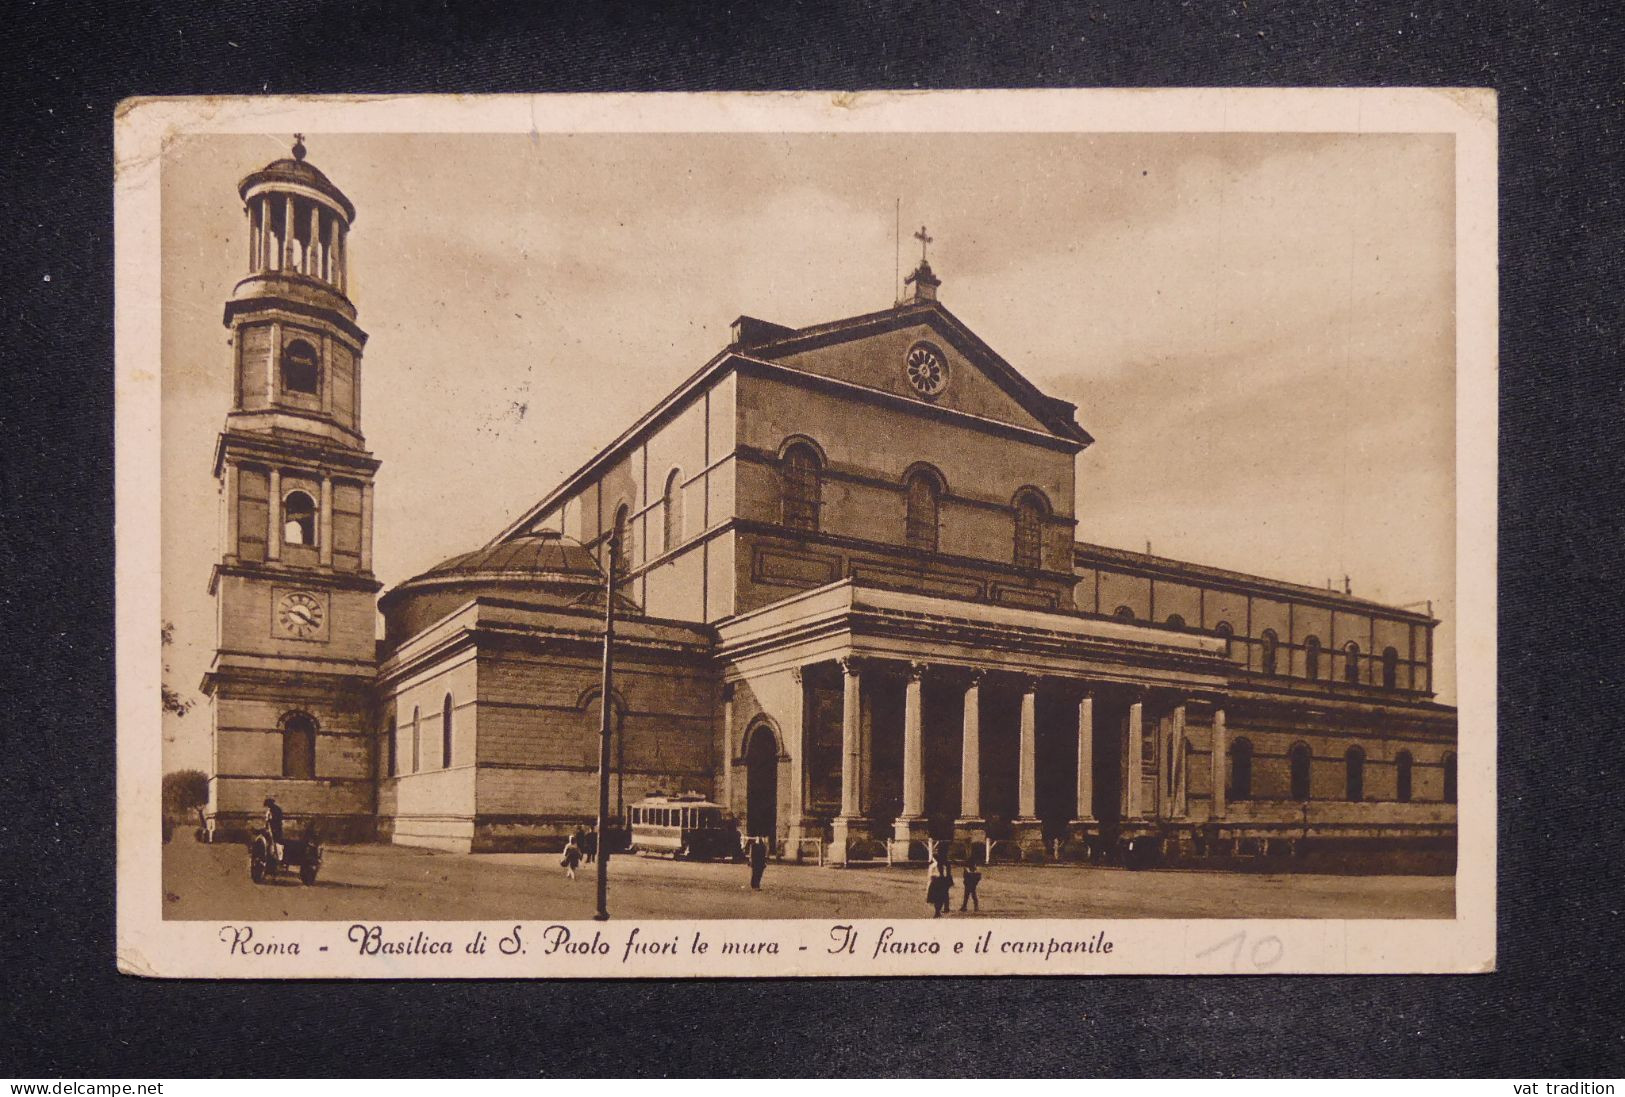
{"points": [[762, 535]]}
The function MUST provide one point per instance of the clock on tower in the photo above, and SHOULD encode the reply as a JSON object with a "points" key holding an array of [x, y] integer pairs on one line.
{"points": [[291, 678]]}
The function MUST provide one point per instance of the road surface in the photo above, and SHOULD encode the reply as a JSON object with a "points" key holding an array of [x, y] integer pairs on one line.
{"points": [[383, 882]]}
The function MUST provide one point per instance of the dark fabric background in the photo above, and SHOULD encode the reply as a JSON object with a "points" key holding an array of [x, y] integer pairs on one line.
{"points": [[1552, 1010]]}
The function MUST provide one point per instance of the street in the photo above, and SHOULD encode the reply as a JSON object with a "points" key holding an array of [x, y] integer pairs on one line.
{"points": [[385, 882]]}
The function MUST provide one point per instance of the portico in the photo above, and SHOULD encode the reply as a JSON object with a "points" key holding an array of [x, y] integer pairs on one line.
{"points": [[907, 717]]}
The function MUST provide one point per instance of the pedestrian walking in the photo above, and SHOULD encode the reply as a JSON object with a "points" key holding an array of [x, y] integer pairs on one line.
{"points": [[758, 862], [589, 845], [571, 858], [973, 877]]}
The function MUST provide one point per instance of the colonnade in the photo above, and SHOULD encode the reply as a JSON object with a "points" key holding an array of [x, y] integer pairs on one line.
{"points": [[1168, 780], [319, 255]]}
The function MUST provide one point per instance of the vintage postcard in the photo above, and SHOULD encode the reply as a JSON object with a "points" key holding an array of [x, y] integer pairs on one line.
{"points": [[807, 534]]}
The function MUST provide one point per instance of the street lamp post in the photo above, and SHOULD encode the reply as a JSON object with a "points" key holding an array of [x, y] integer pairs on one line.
{"points": [[604, 727]]}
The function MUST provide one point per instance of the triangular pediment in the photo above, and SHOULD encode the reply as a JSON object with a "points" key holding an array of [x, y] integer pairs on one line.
{"points": [[873, 351]]}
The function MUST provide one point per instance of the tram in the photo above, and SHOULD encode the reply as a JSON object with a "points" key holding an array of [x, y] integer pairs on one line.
{"points": [[686, 826]]}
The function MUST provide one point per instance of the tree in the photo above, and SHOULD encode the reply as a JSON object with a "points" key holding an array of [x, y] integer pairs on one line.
{"points": [[173, 701], [184, 791]]}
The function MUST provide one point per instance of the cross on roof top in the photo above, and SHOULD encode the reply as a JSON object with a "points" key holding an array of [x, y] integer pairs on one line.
{"points": [[298, 146], [924, 239]]}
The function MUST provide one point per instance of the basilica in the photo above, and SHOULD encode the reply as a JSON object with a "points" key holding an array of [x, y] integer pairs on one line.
{"points": [[855, 609]]}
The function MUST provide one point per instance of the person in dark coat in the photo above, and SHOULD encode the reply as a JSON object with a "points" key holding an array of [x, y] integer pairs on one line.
{"points": [[973, 877], [758, 862], [273, 823], [589, 845]]}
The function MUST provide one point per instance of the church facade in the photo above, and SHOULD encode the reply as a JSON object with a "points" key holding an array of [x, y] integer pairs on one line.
{"points": [[855, 609]]}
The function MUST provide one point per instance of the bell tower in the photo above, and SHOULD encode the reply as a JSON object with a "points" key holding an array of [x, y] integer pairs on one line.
{"points": [[290, 685]]}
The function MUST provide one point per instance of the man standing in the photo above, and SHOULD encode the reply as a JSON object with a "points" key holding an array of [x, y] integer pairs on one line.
{"points": [[758, 862], [273, 823]]}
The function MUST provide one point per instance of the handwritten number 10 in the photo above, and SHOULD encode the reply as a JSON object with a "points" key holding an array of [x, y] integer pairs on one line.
{"points": [[1266, 951]]}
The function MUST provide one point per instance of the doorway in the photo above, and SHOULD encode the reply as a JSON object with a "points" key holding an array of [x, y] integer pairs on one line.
{"points": [[762, 784]]}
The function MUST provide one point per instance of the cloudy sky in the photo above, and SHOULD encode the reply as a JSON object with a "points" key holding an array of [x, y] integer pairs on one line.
{"points": [[1257, 329]]}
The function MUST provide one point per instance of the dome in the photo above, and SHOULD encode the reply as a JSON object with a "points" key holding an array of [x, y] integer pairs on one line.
{"points": [[296, 170], [534, 556], [544, 568]]}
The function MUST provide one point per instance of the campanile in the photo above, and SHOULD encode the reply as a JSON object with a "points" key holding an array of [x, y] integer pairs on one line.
{"points": [[294, 591]]}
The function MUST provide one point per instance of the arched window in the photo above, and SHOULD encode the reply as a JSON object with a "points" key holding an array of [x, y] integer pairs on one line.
{"points": [[1311, 658], [1268, 648], [1176, 621], [417, 741], [1351, 662], [1354, 775], [1123, 613], [298, 746], [1241, 770], [623, 532], [673, 510], [1402, 776], [1450, 777], [801, 488], [1298, 758], [445, 733], [920, 517], [1030, 511], [298, 519], [300, 371], [1390, 668]]}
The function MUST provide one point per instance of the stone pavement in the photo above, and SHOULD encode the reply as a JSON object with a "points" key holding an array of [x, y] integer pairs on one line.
{"points": [[382, 882]]}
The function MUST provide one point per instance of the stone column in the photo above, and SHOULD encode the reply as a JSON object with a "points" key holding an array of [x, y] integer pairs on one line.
{"points": [[260, 226], [1220, 747], [273, 362], [288, 239], [848, 824], [273, 512], [798, 826], [233, 490], [313, 258], [910, 824], [366, 527], [324, 376], [1086, 759], [324, 529], [727, 747], [1026, 828], [1135, 778], [339, 260], [1181, 781], [866, 755], [970, 826]]}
